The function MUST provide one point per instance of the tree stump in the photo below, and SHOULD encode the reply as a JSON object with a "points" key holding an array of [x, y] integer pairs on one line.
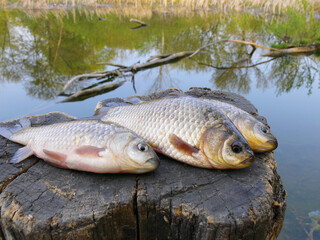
{"points": [[177, 201]]}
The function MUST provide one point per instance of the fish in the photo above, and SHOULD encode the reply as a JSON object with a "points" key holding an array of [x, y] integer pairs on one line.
{"points": [[84, 145], [186, 129], [257, 134]]}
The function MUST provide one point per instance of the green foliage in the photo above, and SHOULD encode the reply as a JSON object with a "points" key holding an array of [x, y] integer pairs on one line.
{"points": [[297, 27], [279, 45]]}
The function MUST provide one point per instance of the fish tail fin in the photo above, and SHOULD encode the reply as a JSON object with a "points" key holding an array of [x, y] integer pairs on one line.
{"points": [[23, 152], [8, 132], [21, 155], [4, 132]]}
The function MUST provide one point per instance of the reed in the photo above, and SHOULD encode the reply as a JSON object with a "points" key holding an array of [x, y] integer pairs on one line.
{"points": [[273, 6]]}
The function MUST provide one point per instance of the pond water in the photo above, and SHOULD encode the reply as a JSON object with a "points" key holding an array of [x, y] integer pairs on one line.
{"points": [[41, 51]]}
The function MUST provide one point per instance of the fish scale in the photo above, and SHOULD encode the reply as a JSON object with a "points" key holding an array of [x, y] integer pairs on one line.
{"points": [[65, 138], [184, 118]]}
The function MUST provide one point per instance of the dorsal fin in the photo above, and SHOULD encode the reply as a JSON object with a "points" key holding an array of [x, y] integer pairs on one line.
{"points": [[132, 100], [175, 94]]}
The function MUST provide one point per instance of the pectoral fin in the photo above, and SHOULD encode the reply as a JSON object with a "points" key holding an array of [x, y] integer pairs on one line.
{"points": [[55, 158], [182, 146], [55, 155], [155, 147], [21, 154], [89, 151]]}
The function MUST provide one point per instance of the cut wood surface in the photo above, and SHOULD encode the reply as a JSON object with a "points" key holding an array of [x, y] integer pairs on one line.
{"points": [[177, 201]]}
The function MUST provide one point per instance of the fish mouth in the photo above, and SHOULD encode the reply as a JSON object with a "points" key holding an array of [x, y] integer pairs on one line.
{"points": [[249, 160], [154, 162], [273, 143]]}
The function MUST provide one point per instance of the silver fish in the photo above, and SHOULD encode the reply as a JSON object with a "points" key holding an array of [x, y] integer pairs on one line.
{"points": [[255, 132], [186, 129], [86, 145]]}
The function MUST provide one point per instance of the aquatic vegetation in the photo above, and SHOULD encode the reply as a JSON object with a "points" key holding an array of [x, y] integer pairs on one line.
{"points": [[296, 27], [279, 45]]}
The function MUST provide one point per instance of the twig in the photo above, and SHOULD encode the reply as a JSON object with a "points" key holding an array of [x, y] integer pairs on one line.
{"points": [[238, 67], [199, 49], [159, 56], [138, 21], [250, 43], [75, 78], [58, 46], [254, 45], [111, 64], [138, 27], [170, 59], [300, 222], [133, 84]]}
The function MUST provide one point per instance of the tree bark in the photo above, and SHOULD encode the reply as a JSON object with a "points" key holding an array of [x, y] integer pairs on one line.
{"points": [[177, 201]]}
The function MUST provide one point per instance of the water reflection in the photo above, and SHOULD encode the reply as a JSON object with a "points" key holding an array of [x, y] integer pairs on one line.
{"points": [[44, 51]]}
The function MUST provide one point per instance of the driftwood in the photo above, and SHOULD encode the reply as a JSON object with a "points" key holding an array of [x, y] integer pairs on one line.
{"points": [[291, 51], [78, 77], [121, 70], [138, 21], [142, 24], [91, 92], [39, 201]]}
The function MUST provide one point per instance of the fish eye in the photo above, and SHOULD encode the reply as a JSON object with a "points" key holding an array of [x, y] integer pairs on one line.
{"points": [[236, 148], [143, 147], [265, 130]]}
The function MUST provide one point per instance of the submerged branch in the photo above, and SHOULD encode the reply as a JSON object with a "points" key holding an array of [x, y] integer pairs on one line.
{"points": [[170, 58], [78, 77], [292, 51], [238, 67], [91, 92], [250, 43], [158, 60], [142, 24], [111, 64]]}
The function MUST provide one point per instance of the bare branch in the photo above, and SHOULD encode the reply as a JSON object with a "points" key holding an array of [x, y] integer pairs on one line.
{"points": [[92, 92], [111, 64], [75, 78], [238, 67], [138, 21], [288, 51]]}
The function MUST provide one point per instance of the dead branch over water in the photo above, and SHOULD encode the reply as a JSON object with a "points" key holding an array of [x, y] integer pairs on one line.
{"points": [[138, 21], [91, 92], [121, 70], [158, 60]]}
